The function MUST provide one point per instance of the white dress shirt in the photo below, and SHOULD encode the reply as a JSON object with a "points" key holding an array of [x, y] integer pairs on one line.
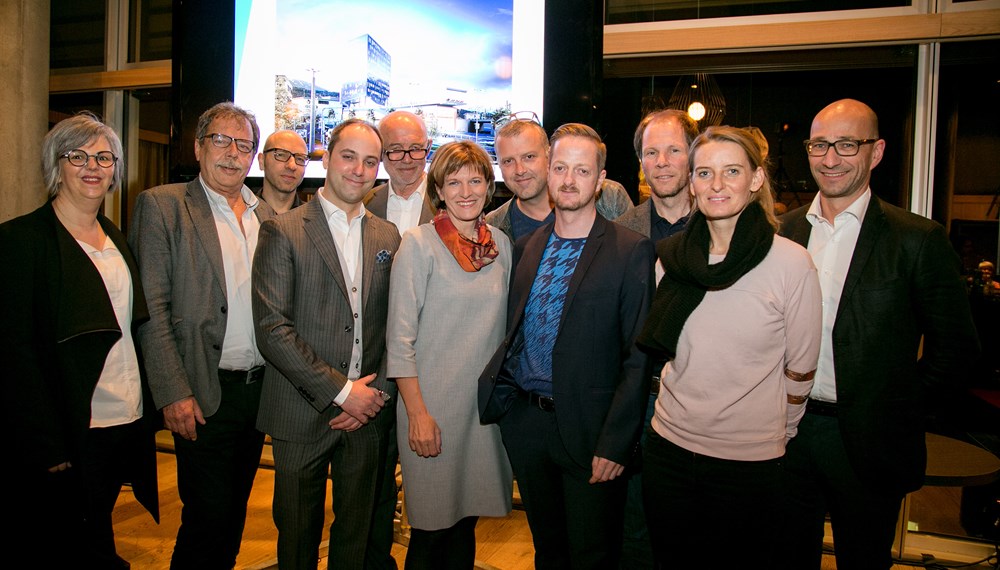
{"points": [[117, 399], [405, 212], [239, 347], [347, 238], [832, 247]]}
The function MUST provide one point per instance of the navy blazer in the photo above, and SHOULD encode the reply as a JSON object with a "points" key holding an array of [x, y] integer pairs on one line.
{"points": [[600, 379], [59, 327], [903, 285]]}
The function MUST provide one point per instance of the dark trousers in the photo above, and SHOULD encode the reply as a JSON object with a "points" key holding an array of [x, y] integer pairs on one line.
{"points": [[215, 475], [379, 556], [637, 553], [696, 504], [573, 523], [820, 479], [452, 548]]}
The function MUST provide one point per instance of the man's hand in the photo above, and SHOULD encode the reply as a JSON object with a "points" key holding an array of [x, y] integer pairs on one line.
{"points": [[345, 421], [603, 470], [362, 401], [425, 436], [180, 417]]}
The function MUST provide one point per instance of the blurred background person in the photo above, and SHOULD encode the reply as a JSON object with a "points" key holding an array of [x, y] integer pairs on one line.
{"points": [[81, 425], [737, 318], [283, 161], [447, 303]]}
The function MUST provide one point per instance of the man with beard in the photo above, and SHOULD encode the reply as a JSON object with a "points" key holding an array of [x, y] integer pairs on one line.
{"points": [[283, 161], [568, 386], [523, 156]]}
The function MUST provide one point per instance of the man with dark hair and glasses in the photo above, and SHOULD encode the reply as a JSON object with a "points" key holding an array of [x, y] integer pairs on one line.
{"points": [[522, 149], [195, 244], [403, 200], [891, 283], [283, 161]]}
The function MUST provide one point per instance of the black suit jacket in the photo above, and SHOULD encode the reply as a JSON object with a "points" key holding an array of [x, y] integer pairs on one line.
{"points": [[59, 326], [600, 379], [903, 284]]}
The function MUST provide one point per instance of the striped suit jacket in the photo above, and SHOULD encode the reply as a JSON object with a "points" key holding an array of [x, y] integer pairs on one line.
{"points": [[304, 321]]}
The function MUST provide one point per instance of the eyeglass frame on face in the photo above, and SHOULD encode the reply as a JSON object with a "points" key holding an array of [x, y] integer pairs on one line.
{"points": [[86, 160], [529, 116], [300, 159], [810, 144], [218, 138], [404, 153]]}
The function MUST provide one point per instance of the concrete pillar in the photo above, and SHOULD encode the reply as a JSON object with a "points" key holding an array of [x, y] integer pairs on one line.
{"points": [[24, 103]]}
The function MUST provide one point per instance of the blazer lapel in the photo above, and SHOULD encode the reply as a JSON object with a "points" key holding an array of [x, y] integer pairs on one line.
{"points": [[318, 230], [426, 209], [369, 245], [800, 230], [594, 242], [203, 221], [524, 274], [871, 230]]}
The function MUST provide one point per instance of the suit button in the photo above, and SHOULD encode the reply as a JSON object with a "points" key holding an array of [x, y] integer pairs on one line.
{"points": [[343, 365], [224, 309], [216, 347], [347, 329]]}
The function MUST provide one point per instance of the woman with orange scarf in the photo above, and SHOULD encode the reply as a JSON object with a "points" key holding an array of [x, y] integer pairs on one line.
{"points": [[447, 301]]}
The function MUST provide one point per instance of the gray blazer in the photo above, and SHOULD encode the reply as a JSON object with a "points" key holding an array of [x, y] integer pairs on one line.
{"points": [[304, 318], [177, 248], [377, 202], [637, 219]]}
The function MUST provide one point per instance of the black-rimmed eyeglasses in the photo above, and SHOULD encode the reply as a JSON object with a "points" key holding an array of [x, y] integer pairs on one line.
{"points": [[282, 155], [76, 157], [397, 154], [843, 147], [220, 140], [529, 116]]}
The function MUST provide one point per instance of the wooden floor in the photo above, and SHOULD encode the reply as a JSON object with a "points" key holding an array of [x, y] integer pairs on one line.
{"points": [[502, 543]]}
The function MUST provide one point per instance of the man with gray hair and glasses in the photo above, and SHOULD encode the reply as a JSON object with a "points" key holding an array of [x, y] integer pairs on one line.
{"points": [[283, 161], [403, 200], [522, 149], [195, 244]]}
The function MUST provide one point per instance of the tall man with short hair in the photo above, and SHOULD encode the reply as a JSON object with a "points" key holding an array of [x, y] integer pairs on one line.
{"points": [[404, 199], [661, 141], [890, 282], [568, 386], [320, 300], [283, 161], [522, 149], [195, 244]]}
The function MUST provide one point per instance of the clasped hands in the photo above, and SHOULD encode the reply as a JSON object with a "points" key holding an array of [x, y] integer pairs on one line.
{"points": [[363, 403]]}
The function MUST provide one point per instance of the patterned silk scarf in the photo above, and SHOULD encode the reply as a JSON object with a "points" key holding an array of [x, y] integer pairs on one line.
{"points": [[470, 255]]}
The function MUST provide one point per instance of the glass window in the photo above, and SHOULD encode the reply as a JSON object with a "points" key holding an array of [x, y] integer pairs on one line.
{"points": [[77, 33], [150, 28], [631, 11]]}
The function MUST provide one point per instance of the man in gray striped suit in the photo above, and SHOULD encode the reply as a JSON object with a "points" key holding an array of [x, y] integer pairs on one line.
{"points": [[320, 300]]}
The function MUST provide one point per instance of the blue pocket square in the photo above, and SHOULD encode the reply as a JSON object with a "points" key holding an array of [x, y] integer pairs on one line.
{"points": [[383, 256]]}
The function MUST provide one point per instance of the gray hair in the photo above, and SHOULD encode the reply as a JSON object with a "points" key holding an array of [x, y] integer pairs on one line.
{"points": [[73, 133], [227, 110]]}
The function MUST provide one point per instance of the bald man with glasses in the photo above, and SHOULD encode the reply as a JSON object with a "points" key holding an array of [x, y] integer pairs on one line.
{"points": [[283, 162], [405, 145]]}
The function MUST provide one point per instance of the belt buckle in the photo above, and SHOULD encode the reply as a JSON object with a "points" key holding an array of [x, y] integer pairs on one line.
{"points": [[654, 387], [251, 377], [546, 404]]}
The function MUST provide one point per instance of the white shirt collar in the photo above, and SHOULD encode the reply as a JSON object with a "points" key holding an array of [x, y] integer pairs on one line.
{"points": [[249, 198], [330, 209], [857, 208], [417, 194]]}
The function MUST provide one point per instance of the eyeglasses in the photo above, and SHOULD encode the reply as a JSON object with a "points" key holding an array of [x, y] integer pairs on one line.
{"points": [[529, 116], [282, 155], [76, 157], [398, 154], [223, 141], [843, 147]]}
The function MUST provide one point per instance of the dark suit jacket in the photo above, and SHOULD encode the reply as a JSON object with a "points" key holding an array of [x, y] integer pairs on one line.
{"points": [[600, 380], [903, 284], [174, 238], [304, 320], [377, 202], [59, 326]]}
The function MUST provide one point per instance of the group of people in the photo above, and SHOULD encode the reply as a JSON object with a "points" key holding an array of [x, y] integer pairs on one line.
{"points": [[659, 380]]}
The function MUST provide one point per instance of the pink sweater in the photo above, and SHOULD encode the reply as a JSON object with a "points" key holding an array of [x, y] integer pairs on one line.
{"points": [[725, 395]]}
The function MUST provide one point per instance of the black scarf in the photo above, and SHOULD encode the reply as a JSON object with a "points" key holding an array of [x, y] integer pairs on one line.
{"points": [[688, 276]]}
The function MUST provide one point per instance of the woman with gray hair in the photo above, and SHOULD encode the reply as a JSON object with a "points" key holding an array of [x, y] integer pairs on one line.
{"points": [[80, 423]]}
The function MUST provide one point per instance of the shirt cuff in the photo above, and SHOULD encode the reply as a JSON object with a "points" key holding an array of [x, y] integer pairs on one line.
{"points": [[344, 393]]}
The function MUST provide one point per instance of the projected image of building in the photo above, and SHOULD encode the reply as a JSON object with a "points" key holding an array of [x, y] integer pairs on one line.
{"points": [[366, 82]]}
